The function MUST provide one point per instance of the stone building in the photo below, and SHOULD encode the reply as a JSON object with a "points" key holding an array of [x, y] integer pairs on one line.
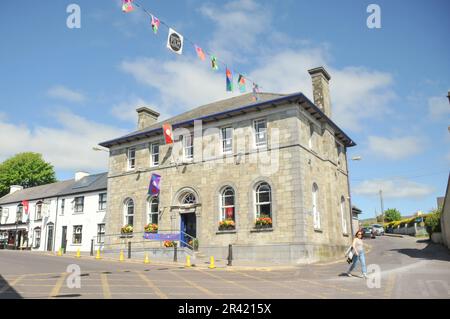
{"points": [[280, 160]]}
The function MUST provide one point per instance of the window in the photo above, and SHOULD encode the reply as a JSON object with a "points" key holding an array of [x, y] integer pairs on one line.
{"points": [[100, 233], [343, 219], [77, 234], [311, 135], [227, 204], [19, 213], [38, 215], [339, 151], [227, 140], [1, 214], [102, 201], [37, 237], [4, 215], [263, 200], [153, 212], [154, 150], [188, 146], [131, 158], [63, 204], [129, 212], [316, 213], [79, 204], [188, 198], [260, 133]]}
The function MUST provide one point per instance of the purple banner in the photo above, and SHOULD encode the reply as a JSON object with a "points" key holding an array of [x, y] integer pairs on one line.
{"points": [[153, 188], [163, 237]]}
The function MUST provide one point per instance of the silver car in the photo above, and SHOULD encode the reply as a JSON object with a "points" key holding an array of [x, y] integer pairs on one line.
{"points": [[378, 229]]}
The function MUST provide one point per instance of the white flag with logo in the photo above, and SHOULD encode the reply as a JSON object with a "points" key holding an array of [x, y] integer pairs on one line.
{"points": [[175, 41]]}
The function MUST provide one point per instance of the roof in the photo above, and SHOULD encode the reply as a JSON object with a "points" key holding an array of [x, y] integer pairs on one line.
{"points": [[86, 184], [228, 108], [356, 210]]}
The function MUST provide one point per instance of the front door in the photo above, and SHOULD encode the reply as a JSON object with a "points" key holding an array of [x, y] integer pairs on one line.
{"points": [[50, 238], [64, 238], [188, 226]]}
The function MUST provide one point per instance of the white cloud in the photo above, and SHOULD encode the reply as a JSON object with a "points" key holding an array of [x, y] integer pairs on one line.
{"points": [[393, 188], [63, 93], [439, 108], [397, 147], [68, 147]]}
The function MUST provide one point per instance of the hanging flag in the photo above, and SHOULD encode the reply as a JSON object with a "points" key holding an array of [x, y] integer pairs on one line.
{"points": [[255, 92], [214, 64], [175, 41], [168, 134], [155, 24], [241, 84], [229, 80], [25, 205], [127, 6], [153, 188], [200, 52]]}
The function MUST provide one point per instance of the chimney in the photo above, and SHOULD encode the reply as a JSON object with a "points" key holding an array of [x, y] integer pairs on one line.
{"points": [[321, 90], [15, 188], [80, 175], [146, 117]]}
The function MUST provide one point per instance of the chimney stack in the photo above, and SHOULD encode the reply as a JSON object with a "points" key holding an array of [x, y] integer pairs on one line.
{"points": [[321, 89], [15, 188], [80, 175], [146, 117]]}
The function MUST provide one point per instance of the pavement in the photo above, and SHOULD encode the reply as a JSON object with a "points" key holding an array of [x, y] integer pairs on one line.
{"points": [[403, 267]]}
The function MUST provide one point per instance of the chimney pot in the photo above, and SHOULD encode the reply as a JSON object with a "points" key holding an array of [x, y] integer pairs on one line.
{"points": [[321, 90], [15, 188], [146, 117], [80, 175]]}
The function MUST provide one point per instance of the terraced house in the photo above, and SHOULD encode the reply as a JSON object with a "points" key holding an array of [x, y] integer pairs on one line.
{"points": [[269, 176]]}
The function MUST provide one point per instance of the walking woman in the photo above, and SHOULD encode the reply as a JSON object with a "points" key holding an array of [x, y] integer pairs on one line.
{"points": [[358, 249]]}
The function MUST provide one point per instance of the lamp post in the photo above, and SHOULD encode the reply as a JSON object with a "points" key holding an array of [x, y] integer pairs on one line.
{"points": [[448, 96], [96, 148]]}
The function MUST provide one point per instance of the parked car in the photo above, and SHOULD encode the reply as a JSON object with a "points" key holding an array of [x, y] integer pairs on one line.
{"points": [[368, 232], [378, 229]]}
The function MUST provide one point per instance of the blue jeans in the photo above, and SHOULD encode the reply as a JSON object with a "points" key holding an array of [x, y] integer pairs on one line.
{"points": [[362, 260]]}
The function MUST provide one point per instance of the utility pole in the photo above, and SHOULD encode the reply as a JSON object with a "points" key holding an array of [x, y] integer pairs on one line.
{"points": [[382, 206]]}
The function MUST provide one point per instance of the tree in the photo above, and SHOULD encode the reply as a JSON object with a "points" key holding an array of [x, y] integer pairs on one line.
{"points": [[392, 214], [433, 221], [25, 169]]}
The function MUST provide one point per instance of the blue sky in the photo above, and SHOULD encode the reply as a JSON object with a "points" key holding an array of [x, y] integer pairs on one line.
{"points": [[64, 90]]}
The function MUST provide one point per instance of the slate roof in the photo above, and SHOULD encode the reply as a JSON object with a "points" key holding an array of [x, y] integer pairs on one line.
{"points": [[227, 108], [86, 184]]}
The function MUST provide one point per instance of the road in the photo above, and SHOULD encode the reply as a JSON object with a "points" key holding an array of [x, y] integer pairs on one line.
{"points": [[405, 268]]}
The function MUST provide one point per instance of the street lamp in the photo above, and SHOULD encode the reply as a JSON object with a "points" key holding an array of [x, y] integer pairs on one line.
{"points": [[96, 148], [354, 158]]}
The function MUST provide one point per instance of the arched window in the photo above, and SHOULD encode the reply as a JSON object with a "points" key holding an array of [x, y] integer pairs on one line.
{"points": [[129, 212], [38, 215], [263, 200], [37, 237], [343, 219], [1, 214], [188, 198], [315, 207], [227, 204], [153, 210]]}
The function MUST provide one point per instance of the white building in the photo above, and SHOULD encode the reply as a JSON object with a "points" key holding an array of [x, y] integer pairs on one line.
{"points": [[66, 214]]}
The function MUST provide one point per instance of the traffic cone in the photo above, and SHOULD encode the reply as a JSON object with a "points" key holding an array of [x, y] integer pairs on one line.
{"points": [[211, 263], [188, 261], [98, 254], [78, 253], [121, 258], [60, 252], [146, 260]]}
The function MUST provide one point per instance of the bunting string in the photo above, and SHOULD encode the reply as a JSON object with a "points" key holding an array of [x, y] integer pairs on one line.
{"points": [[176, 45]]}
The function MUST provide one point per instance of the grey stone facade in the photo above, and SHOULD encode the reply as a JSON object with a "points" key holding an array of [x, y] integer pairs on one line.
{"points": [[291, 163]]}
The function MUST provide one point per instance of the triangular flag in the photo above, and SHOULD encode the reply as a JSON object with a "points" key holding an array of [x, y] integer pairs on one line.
{"points": [[200, 52], [127, 5], [241, 84], [175, 41], [229, 80], [214, 64], [155, 24]]}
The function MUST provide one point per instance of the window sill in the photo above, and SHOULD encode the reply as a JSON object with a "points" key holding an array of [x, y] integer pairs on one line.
{"points": [[318, 230], [231, 231], [76, 244], [261, 230], [78, 213]]}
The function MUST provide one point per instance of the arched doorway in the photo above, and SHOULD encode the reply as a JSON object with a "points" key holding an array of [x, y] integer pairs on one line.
{"points": [[187, 208]]}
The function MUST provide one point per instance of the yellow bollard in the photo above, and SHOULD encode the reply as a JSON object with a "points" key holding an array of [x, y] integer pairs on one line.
{"points": [[146, 260], [60, 252], [211, 263], [121, 258], [188, 261], [78, 253], [98, 254]]}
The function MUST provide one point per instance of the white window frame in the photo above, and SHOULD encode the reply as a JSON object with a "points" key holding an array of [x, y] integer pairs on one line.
{"points": [[343, 219], [150, 211], [259, 144], [226, 141], [315, 206], [19, 212], [131, 160], [38, 209], [153, 154], [63, 205], [36, 238], [223, 207], [127, 215], [76, 205], [258, 204], [101, 233], [102, 203], [184, 140], [76, 233]]}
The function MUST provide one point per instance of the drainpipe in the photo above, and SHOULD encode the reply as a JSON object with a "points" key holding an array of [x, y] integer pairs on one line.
{"points": [[56, 227]]}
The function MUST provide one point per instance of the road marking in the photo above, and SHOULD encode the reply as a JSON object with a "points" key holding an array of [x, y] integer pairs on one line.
{"points": [[105, 287], [230, 282], [58, 285], [153, 286], [193, 284], [280, 285], [15, 281]]}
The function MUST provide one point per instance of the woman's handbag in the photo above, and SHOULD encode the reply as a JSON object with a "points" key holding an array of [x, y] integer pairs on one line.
{"points": [[349, 254]]}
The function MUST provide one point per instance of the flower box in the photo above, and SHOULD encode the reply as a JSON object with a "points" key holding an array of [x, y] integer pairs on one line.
{"points": [[151, 228], [169, 243], [227, 224], [127, 229], [263, 222]]}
